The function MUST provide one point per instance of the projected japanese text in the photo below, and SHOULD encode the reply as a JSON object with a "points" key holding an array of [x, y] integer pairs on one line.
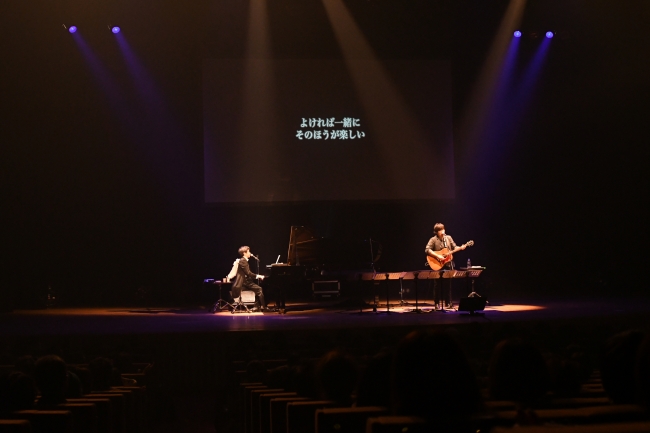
{"points": [[325, 129]]}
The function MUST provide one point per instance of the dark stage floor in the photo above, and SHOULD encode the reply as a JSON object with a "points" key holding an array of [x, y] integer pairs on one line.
{"points": [[303, 316]]}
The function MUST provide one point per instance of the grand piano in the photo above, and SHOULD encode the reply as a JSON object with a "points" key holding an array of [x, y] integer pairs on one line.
{"points": [[311, 257], [303, 258]]}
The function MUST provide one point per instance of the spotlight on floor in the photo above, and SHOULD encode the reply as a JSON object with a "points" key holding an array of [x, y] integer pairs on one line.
{"points": [[550, 34], [517, 34]]}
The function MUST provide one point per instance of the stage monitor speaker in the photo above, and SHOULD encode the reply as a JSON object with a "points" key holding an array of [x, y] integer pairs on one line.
{"points": [[472, 305]]}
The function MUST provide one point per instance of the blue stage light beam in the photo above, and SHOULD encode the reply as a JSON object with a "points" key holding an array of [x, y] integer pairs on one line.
{"points": [[156, 123], [487, 111]]}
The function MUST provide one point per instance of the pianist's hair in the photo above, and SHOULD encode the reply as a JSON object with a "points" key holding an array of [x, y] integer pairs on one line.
{"points": [[243, 249], [437, 227]]}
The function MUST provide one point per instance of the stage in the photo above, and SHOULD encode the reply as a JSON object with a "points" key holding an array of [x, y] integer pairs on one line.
{"points": [[306, 316]]}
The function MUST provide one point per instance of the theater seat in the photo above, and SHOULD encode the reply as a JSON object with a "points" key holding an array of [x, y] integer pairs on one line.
{"points": [[46, 421], [15, 426], [104, 412], [584, 415], [346, 419], [301, 415], [631, 427], [397, 424], [84, 416], [278, 409]]}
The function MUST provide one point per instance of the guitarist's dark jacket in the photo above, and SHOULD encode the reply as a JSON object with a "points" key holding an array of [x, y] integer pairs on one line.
{"points": [[435, 244]]}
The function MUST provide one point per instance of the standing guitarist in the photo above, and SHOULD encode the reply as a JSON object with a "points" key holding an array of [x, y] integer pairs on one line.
{"points": [[434, 249]]}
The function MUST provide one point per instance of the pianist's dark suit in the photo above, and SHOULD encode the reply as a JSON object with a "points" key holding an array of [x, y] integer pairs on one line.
{"points": [[245, 280]]}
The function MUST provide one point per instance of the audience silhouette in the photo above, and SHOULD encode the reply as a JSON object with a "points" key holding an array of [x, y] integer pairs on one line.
{"points": [[432, 379], [17, 392], [518, 373], [425, 374], [336, 377], [374, 383], [51, 380], [617, 366], [642, 373]]}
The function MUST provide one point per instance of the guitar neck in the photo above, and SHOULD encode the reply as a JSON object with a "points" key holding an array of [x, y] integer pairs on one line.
{"points": [[460, 248]]}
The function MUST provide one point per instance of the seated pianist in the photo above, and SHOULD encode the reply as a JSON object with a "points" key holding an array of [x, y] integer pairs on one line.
{"points": [[245, 278]]}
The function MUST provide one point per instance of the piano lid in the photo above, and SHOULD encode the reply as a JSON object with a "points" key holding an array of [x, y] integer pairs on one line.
{"points": [[305, 248], [333, 253]]}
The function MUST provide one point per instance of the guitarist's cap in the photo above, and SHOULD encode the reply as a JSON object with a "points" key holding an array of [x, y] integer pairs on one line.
{"points": [[437, 227]]}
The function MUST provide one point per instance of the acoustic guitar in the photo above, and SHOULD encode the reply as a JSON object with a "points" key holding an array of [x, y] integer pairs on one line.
{"points": [[437, 264]]}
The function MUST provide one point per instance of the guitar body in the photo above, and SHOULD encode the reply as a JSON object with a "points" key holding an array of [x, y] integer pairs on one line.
{"points": [[436, 264]]}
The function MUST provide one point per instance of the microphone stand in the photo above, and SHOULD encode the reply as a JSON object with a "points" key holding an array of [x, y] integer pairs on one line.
{"points": [[257, 259], [258, 267], [440, 284], [451, 265]]}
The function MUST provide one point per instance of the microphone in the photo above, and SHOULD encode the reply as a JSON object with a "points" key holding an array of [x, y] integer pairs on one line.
{"points": [[253, 256]]}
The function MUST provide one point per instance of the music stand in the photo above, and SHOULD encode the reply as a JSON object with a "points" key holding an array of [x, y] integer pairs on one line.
{"points": [[388, 276], [405, 276], [453, 274], [360, 277], [436, 275], [381, 277], [446, 275], [417, 275], [392, 276], [473, 273]]}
